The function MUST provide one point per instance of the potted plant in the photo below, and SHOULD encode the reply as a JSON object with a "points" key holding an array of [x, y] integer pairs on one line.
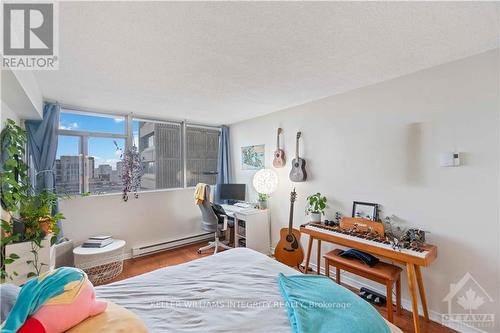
{"points": [[315, 207], [263, 200], [28, 224]]}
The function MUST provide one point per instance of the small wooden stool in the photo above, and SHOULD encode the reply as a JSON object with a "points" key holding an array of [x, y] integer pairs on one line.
{"points": [[382, 272]]}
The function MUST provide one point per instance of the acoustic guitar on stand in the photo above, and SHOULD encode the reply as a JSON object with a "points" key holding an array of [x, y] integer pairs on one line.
{"points": [[289, 250], [279, 155], [298, 172]]}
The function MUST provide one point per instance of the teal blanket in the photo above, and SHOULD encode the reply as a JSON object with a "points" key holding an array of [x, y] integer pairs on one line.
{"points": [[316, 304], [36, 292]]}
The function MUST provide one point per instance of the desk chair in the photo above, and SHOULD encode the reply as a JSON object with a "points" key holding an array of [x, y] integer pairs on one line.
{"points": [[212, 222]]}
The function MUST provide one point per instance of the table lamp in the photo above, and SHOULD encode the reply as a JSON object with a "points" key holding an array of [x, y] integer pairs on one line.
{"points": [[265, 182]]}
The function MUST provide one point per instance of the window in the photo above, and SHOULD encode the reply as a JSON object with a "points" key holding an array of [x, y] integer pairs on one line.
{"points": [[68, 165], [88, 153], [104, 169], [173, 154], [160, 146], [96, 123], [202, 148]]}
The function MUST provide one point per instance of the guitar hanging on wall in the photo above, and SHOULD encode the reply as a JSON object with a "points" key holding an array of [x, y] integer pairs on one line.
{"points": [[279, 155], [289, 251], [298, 172]]}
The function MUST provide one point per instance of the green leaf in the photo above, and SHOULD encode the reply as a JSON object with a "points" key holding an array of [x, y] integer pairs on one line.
{"points": [[8, 261], [6, 226], [14, 256], [30, 275]]}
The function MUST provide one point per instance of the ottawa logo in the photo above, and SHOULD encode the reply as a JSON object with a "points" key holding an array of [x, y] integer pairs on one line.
{"points": [[467, 303]]}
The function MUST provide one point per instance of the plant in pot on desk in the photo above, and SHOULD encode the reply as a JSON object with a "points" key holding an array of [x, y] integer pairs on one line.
{"points": [[28, 217], [315, 207], [263, 200]]}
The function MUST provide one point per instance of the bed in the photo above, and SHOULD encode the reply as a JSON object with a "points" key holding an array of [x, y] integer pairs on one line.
{"points": [[234, 290]]}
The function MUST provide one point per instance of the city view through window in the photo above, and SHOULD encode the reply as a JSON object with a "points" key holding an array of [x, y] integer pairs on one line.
{"points": [[90, 148], [99, 168]]}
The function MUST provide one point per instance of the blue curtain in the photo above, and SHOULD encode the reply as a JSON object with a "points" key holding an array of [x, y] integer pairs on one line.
{"points": [[42, 148], [224, 160]]}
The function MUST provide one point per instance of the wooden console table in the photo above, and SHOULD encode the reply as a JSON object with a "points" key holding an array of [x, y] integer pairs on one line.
{"points": [[412, 259]]}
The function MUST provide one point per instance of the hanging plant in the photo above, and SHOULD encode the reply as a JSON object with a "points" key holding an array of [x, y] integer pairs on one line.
{"points": [[13, 170], [131, 172]]}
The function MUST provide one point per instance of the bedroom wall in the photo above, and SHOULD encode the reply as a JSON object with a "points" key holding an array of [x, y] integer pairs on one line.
{"points": [[7, 113], [154, 217], [20, 92], [381, 143]]}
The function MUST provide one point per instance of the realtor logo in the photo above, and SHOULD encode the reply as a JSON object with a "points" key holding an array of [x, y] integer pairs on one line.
{"points": [[29, 35], [467, 301]]}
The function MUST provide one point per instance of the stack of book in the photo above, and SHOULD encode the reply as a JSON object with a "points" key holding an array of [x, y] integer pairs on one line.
{"points": [[98, 241]]}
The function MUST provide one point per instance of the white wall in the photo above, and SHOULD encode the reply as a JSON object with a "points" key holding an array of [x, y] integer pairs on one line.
{"points": [[381, 143], [7, 113], [20, 92], [154, 217]]}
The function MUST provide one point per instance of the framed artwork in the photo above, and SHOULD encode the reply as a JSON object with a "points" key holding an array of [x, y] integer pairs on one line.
{"points": [[365, 210], [252, 157]]}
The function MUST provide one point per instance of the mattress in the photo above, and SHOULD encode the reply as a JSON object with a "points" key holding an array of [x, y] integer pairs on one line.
{"points": [[231, 291]]}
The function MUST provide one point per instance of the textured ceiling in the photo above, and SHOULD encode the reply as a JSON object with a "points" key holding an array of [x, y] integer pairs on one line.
{"points": [[223, 62]]}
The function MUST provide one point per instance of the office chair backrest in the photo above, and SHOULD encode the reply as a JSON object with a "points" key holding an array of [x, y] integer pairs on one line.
{"points": [[209, 219]]}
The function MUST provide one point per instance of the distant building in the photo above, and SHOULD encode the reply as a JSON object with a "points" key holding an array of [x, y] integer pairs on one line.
{"points": [[68, 174], [119, 169], [91, 167], [104, 172], [160, 149], [100, 179], [161, 155]]}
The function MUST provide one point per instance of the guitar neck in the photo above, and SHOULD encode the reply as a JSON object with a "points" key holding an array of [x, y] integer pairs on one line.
{"points": [[278, 141], [290, 222], [297, 148]]}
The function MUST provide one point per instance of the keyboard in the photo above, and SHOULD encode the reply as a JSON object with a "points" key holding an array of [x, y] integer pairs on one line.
{"points": [[237, 209], [243, 205], [363, 241]]}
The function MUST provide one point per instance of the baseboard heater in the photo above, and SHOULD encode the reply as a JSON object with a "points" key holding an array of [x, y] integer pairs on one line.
{"points": [[149, 249]]}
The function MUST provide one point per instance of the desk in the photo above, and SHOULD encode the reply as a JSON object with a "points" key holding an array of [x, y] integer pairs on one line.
{"points": [[256, 230]]}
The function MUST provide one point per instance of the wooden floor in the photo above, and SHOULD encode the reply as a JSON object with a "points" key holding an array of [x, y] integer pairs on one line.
{"points": [[133, 267]]}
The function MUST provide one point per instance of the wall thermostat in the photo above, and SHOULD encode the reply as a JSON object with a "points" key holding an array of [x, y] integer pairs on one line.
{"points": [[449, 159]]}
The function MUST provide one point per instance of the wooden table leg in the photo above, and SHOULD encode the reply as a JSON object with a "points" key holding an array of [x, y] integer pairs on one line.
{"points": [[410, 270], [398, 296], [308, 255], [337, 275], [318, 259], [390, 315], [327, 267], [421, 291]]}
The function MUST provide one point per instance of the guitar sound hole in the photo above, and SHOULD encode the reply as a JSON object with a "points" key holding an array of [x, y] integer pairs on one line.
{"points": [[296, 165], [289, 238]]}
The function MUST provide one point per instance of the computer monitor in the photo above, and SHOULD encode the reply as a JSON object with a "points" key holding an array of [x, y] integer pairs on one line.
{"points": [[232, 192]]}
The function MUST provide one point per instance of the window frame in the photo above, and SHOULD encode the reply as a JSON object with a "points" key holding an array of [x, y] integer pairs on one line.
{"points": [[129, 142]]}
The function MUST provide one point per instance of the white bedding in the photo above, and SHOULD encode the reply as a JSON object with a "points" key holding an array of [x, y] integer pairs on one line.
{"points": [[233, 291]]}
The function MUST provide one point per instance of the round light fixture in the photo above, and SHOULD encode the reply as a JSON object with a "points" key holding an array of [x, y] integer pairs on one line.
{"points": [[265, 181]]}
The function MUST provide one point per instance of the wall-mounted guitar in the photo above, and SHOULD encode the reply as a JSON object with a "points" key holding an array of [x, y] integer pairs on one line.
{"points": [[289, 251], [279, 155], [298, 172]]}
